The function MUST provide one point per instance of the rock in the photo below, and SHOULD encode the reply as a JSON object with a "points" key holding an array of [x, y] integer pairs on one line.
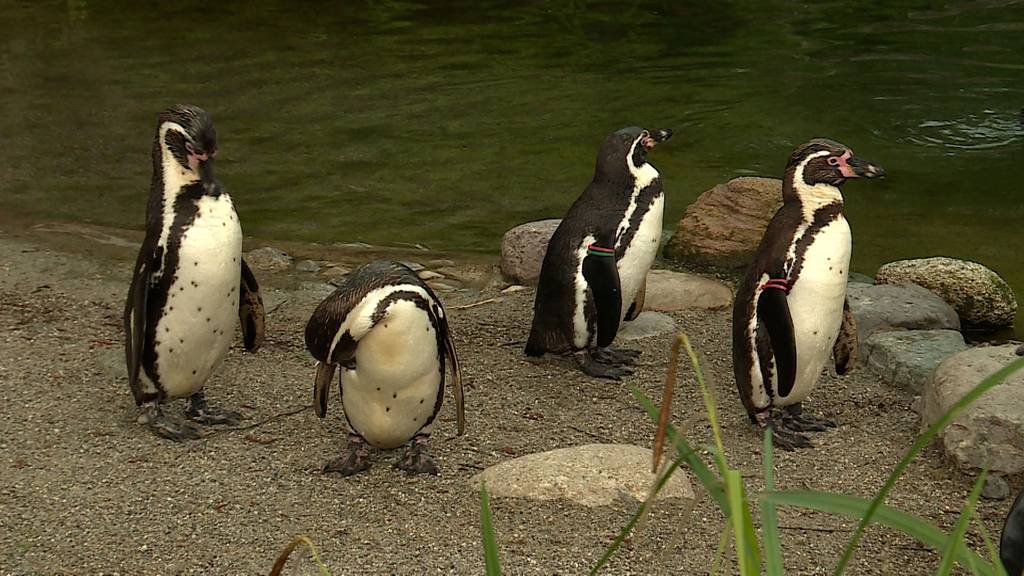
{"points": [[1020, 350], [861, 278], [995, 488], [335, 274], [513, 289], [307, 266], [906, 359], [428, 275], [523, 248], [723, 227], [647, 324], [442, 286], [592, 475], [907, 306], [989, 432], [319, 289], [268, 258], [440, 263], [668, 291], [414, 266], [978, 294]]}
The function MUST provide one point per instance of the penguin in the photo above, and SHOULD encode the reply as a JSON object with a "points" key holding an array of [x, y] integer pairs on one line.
{"points": [[790, 309], [597, 260], [389, 334], [189, 284], [1011, 544]]}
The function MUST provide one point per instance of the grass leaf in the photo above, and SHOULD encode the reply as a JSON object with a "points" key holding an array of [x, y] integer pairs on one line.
{"points": [[283, 557], [856, 507], [984, 386], [491, 560], [769, 515], [957, 536]]}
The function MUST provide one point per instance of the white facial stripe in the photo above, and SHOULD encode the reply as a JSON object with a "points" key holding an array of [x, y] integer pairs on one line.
{"points": [[816, 196], [360, 319], [175, 178], [581, 333], [642, 178]]}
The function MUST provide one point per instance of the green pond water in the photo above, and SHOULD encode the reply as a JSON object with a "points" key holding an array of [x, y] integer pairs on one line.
{"points": [[445, 124]]}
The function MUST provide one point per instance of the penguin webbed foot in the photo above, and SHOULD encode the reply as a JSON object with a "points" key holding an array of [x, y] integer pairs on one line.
{"points": [[592, 366], [355, 460], [796, 419], [199, 411], [416, 459], [153, 417], [787, 439], [616, 356]]}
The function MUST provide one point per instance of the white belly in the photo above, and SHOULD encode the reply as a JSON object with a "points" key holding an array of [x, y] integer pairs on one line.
{"points": [[816, 305], [390, 395], [637, 260], [195, 332]]}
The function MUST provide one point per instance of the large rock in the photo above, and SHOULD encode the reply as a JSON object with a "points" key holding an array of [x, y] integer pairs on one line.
{"points": [[592, 475], [978, 294], [723, 227], [645, 325], [523, 248], [668, 291], [908, 306], [989, 432], [268, 258], [906, 359]]}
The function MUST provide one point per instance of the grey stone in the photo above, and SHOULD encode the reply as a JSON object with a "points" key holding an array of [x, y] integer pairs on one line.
{"points": [[995, 488], [978, 294], [906, 359], [990, 432], [414, 266], [428, 275], [320, 289], [335, 274], [592, 475], [513, 289], [268, 258], [307, 266], [907, 306], [442, 286], [668, 291], [724, 226], [440, 263], [645, 325], [861, 278], [523, 249]]}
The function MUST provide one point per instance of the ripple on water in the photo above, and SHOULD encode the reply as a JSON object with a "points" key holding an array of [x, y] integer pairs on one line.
{"points": [[987, 130]]}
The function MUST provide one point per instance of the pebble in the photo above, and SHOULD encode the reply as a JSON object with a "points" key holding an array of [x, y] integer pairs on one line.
{"points": [[513, 289], [428, 275], [307, 266], [995, 488], [414, 266], [1020, 350], [440, 263], [442, 286]]}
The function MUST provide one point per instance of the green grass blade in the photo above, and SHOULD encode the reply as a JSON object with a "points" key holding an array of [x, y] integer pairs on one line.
{"points": [[709, 404], [491, 560], [984, 386], [747, 554], [704, 474], [621, 537], [856, 507], [993, 553], [769, 515], [957, 536]]}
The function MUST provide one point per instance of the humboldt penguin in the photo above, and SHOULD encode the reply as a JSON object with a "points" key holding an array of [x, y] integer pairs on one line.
{"points": [[388, 333], [598, 258], [1011, 544], [190, 283], [791, 310]]}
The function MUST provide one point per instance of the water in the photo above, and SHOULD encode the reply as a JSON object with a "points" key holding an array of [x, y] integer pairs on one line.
{"points": [[446, 124]]}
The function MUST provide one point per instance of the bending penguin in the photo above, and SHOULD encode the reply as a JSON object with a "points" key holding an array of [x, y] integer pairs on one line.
{"points": [[388, 332], [598, 258], [190, 284], [790, 310]]}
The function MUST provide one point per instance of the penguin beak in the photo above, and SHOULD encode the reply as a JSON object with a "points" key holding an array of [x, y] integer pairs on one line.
{"points": [[854, 167], [653, 137]]}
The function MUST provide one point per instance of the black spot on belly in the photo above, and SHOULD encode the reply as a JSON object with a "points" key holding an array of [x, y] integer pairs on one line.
{"points": [[200, 308], [182, 288], [172, 308], [378, 388], [167, 328], [830, 268], [207, 319], [182, 340], [421, 400], [193, 372], [170, 349], [195, 263], [395, 395], [387, 408]]}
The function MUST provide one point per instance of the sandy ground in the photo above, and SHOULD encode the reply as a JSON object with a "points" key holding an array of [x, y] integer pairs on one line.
{"points": [[86, 490]]}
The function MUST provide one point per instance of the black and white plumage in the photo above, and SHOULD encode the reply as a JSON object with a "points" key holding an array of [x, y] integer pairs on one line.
{"points": [[388, 333], [190, 284], [790, 313], [1011, 543], [599, 256]]}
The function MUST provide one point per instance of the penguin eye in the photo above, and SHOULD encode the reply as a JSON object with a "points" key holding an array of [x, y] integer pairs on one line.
{"points": [[833, 161]]}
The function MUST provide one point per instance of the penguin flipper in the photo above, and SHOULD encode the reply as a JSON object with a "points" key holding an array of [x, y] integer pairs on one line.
{"points": [[1011, 543], [773, 314], [322, 387], [250, 310], [457, 389], [602, 277], [136, 313], [845, 350]]}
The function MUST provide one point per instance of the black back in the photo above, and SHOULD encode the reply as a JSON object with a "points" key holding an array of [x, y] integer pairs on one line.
{"points": [[1011, 545]]}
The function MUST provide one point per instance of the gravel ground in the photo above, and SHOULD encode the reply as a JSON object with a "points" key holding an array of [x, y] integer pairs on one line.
{"points": [[86, 490]]}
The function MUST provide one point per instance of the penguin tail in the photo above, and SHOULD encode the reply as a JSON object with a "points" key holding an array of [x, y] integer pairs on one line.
{"points": [[533, 347]]}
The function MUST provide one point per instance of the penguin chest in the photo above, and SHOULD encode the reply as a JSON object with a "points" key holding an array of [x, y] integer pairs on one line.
{"points": [[393, 391], [816, 302], [195, 331], [641, 251]]}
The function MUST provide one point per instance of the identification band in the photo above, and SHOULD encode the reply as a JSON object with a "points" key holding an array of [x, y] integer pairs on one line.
{"points": [[777, 284], [595, 250]]}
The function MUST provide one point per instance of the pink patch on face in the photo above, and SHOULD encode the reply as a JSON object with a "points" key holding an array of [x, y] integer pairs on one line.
{"points": [[844, 168], [647, 142]]}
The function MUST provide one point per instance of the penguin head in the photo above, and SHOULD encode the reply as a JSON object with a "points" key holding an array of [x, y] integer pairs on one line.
{"points": [[626, 149], [823, 161], [187, 134]]}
